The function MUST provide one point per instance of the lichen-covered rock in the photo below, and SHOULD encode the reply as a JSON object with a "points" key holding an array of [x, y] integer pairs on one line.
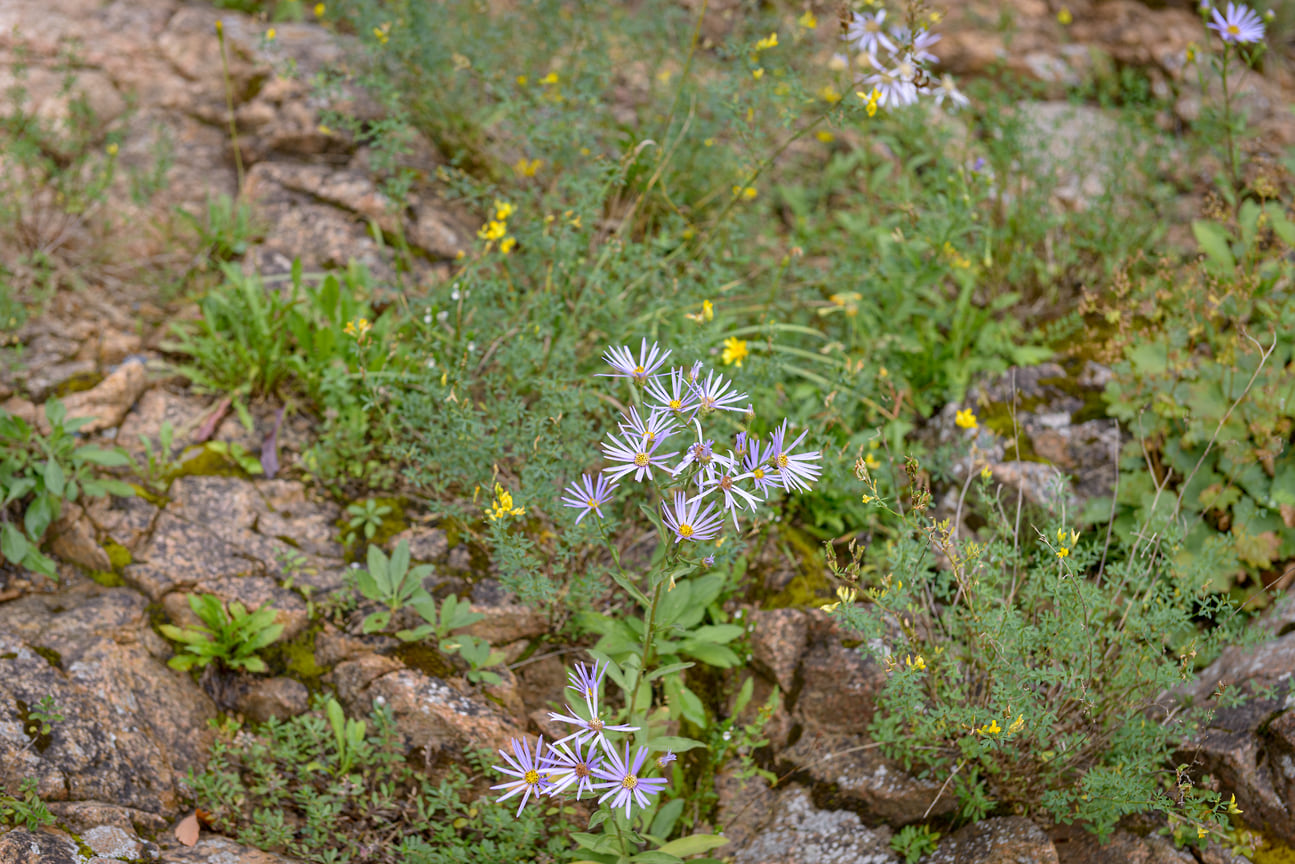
{"points": [[1076, 846], [110, 841], [21, 846], [851, 770], [797, 832], [1004, 840], [108, 401], [214, 849], [839, 688], [132, 728], [429, 712]]}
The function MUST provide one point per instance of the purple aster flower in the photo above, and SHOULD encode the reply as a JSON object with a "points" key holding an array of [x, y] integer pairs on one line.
{"points": [[916, 50], [527, 768], [868, 33], [725, 479], [565, 767], [794, 470], [679, 401], [1240, 25], [587, 681], [689, 524], [623, 780], [708, 561], [589, 495], [714, 395], [658, 427], [701, 454], [895, 85], [948, 89], [637, 456], [693, 373], [622, 360], [755, 463], [665, 760]]}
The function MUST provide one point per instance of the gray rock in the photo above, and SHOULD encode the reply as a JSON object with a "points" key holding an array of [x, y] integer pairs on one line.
{"points": [[110, 841], [1004, 840], [21, 846], [839, 688], [281, 698], [799, 833]]}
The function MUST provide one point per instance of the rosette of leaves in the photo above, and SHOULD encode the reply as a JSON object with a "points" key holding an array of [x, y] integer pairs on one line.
{"points": [[41, 472], [232, 637]]}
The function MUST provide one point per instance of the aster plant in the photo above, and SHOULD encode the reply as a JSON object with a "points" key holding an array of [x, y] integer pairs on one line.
{"points": [[1237, 33], [685, 448], [889, 53]]}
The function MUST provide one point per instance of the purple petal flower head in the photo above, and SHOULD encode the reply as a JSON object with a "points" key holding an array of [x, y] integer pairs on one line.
{"points": [[693, 373], [756, 466], [527, 768], [566, 766], [636, 456], [795, 471], [948, 89], [589, 495], [587, 681], [679, 401], [665, 760], [714, 394], [1240, 25], [868, 33], [701, 454], [622, 779], [708, 561], [657, 427], [689, 524], [922, 41], [725, 478], [895, 85], [622, 360]]}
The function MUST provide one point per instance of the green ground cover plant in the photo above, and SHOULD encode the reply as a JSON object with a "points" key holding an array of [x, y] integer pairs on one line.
{"points": [[39, 473], [230, 638]]}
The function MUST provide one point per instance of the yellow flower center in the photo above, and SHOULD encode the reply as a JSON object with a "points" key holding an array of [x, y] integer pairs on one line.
{"points": [[782, 460], [676, 405], [532, 777], [1234, 30], [640, 459], [581, 770], [596, 725], [630, 782], [758, 474], [591, 503], [872, 27], [639, 370], [685, 530]]}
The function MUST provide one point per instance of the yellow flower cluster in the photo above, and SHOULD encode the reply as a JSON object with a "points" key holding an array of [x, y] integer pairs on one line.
{"points": [[966, 419], [844, 595], [383, 33], [497, 228], [358, 330], [503, 505], [870, 100], [1063, 549], [746, 193], [706, 314]]}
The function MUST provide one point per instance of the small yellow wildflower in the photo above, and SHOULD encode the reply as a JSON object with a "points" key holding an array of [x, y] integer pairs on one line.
{"points": [[325, 130], [319, 10], [746, 193], [915, 662], [770, 41], [990, 729], [845, 595], [492, 231], [829, 94], [935, 17], [506, 245], [872, 462], [358, 330], [270, 34], [758, 73], [1201, 831], [734, 351], [1064, 18], [112, 149], [503, 505], [1233, 808], [1017, 725], [503, 210], [867, 499], [1192, 48], [527, 167], [1063, 552], [707, 313], [870, 100], [521, 80], [709, 142], [551, 78], [808, 21], [985, 473], [383, 33], [824, 136], [966, 419]]}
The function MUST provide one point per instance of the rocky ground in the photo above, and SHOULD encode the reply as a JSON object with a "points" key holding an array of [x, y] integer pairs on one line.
{"points": [[114, 770]]}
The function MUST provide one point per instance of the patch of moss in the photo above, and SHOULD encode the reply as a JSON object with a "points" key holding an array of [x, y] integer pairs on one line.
{"points": [[425, 658], [1275, 852], [295, 658], [49, 655], [78, 383], [206, 462], [811, 586]]}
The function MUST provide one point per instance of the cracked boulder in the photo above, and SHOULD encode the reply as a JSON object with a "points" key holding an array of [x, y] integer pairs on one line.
{"points": [[784, 827], [131, 728]]}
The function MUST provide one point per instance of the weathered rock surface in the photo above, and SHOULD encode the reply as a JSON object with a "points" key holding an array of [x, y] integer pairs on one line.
{"points": [[853, 774], [1080, 847], [214, 849], [108, 401], [794, 831], [280, 698], [839, 688], [21, 846], [429, 712], [133, 728], [778, 641], [1004, 840]]}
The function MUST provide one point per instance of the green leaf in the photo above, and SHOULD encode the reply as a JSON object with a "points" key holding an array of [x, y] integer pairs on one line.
{"points": [[720, 634], [12, 543], [669, 813], [657, 857], [711, 654], [667, 670], [1213, 241], [674, 743], [54, 477], [744, 695], [593, 842], [693, 844], [38, 516], [115, 458], [691, 706]]}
